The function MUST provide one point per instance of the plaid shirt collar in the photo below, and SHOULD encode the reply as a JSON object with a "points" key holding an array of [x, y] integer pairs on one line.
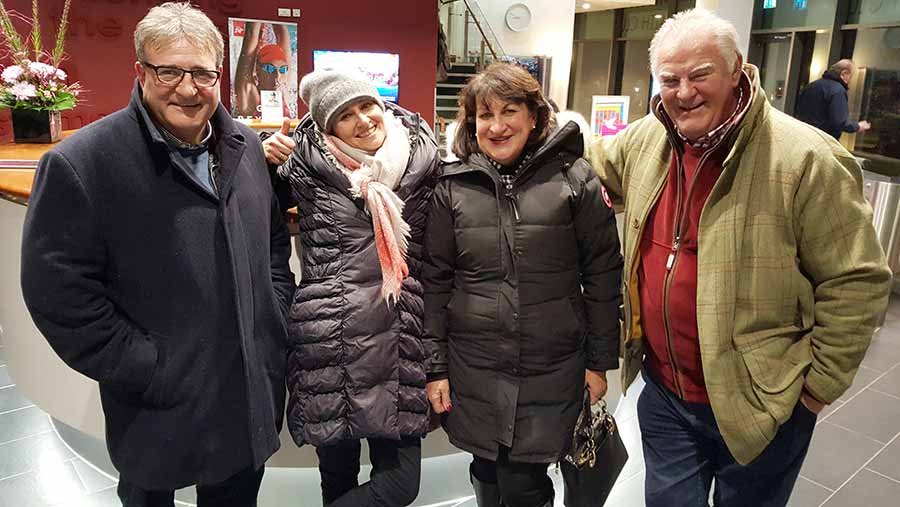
{"points": [[716, 134], [508, 174]]}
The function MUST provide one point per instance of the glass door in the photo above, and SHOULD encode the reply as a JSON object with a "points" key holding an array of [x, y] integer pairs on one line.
{"points": [[773, 72]]}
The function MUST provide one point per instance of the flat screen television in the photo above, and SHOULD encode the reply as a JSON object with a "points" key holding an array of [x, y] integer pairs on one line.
{"points": [[382, 68]]}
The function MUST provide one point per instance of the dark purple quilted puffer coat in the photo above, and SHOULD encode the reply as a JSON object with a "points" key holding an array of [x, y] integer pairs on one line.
{"points": [[356, 365]]}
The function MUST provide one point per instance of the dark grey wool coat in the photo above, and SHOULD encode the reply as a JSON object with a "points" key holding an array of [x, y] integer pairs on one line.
{"points": [[521, 294], [356, 367], [171, 297]]}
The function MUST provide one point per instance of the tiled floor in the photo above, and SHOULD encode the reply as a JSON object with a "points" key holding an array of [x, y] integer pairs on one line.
{"points": [[854, 459]]}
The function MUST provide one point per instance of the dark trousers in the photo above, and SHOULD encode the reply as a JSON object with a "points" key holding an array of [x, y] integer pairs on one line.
{"points": [[239, 490], [394, 481], [520, 484], [684, 452]]}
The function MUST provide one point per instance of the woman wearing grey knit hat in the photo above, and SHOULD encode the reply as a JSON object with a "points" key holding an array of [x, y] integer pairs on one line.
{"points": [[361, 172]]}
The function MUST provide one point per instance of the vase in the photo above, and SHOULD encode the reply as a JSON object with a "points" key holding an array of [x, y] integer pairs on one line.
{"points": [[32, 126]]}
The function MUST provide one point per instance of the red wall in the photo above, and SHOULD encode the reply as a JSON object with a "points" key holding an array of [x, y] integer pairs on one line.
{"points": [[101, 56]]}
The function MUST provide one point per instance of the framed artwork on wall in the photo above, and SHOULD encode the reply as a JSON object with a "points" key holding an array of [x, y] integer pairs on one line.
{"points": [[262, 58], [609, 114]]}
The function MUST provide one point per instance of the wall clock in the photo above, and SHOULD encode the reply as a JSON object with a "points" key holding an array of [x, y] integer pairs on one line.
{"points": [[518, 17]]}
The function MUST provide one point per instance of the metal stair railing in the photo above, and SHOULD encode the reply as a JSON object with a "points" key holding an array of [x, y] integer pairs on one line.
{"points": [[484, 28]]}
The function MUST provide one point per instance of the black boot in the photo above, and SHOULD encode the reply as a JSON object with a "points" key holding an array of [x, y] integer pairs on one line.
{"points": [[487, 494]]}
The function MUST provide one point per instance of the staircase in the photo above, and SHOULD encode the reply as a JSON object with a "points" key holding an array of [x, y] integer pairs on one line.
{"points": [[446, 99], [476, 54]]}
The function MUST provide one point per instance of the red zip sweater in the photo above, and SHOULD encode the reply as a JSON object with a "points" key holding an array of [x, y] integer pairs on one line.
{"points": [[668, 277]]}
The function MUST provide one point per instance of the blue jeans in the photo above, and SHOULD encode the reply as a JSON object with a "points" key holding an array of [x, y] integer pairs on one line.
{"points": [[683, 452]]}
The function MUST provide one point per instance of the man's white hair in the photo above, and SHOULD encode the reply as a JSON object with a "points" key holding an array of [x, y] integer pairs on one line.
{"points": [[695, 26]]}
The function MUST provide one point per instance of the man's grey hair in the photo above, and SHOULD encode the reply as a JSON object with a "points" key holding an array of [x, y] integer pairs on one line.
{"points": [[695, 26], [172, 22], [842, 65]]}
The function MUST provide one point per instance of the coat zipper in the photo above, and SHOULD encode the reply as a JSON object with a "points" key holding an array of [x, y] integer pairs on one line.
{"points": [[680, 228], [513, 201], [511, 197]]}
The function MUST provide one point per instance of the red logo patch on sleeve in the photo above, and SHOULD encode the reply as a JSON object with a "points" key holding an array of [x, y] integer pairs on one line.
{"points": [[606, 198]]}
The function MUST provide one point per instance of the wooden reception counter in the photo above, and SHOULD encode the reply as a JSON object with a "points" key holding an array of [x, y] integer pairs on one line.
{"points": [[54, 387], [17, 164]]}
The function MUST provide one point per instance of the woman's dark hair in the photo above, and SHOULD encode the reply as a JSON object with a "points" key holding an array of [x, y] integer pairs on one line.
{"points": [[508, 83]]}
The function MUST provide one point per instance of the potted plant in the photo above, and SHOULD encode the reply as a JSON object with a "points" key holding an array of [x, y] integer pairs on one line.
{"points": [[33, 87]]}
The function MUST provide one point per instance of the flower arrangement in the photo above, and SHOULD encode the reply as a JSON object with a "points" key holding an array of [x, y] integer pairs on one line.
{"points": [[34, 80]]}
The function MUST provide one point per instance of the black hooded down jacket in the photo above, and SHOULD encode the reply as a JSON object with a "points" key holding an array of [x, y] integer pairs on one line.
{"points": [[356, 366], [521, 295]]}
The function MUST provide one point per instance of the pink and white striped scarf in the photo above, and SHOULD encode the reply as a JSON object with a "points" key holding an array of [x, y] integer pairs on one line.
{"points": [[374, 179]]}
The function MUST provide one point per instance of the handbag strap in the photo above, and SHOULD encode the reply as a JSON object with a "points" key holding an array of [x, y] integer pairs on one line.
{"points": [[586, 400]]}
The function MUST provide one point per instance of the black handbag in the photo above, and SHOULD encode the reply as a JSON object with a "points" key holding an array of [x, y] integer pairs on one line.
{"points": [[595, 458]]}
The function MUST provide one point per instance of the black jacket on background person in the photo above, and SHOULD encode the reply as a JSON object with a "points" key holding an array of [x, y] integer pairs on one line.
{"points": [[171, 297], [506, 316], [356, 367], [823, 104]]}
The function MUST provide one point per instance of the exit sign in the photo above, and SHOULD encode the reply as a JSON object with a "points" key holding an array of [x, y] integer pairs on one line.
{"points": [[768, 4]]}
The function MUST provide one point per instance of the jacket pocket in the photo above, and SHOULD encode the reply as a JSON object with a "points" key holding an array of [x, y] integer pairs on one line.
{"points": [[776, 361], [155, 394], [558, 341]]}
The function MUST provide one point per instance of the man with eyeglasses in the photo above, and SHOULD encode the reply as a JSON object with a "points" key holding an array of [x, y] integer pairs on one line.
{"points": [[155, 261]]}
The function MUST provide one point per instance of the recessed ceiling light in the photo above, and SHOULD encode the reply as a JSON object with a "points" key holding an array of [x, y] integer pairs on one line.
{"points": [[585, 5], [658, 16]]}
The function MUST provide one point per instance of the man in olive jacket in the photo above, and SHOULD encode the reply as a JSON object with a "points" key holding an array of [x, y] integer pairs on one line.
{"points": [[753, 276], [155, 261]]}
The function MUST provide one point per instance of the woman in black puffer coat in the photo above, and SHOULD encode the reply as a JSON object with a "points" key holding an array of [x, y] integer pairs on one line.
{"points": [[521, 287], [361, 173]]}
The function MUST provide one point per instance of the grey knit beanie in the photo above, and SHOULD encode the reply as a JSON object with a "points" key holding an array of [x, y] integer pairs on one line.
{"points": [[326, 92]]}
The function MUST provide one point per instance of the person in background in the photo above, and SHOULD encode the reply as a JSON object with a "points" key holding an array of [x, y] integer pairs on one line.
{"points": [[754, 277], [521, 287], [361, 172], [823, 103], [155, 261]]}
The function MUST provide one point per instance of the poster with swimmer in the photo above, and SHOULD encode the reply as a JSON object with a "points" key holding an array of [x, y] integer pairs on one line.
{"points": [[262, 57]]}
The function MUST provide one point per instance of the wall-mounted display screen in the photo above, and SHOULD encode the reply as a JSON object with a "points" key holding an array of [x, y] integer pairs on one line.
{"points": [[382, 68]]}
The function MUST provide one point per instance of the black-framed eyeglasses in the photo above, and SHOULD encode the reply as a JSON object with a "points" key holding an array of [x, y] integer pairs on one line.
{"points": [[172, 76]]}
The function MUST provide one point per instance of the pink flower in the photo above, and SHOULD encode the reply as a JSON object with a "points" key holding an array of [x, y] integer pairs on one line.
{"points": [[23, 91], [42, 70], [12, 74]]}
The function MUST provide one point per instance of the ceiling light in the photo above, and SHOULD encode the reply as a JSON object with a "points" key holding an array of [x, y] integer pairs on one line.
{"points": [[585, 5]]}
